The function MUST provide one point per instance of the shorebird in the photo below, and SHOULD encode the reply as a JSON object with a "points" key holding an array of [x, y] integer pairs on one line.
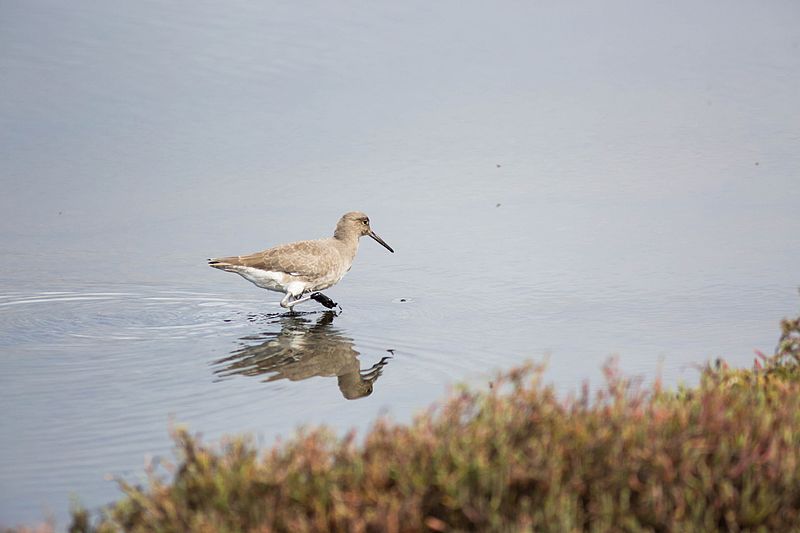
{"points": [[302, 269]]}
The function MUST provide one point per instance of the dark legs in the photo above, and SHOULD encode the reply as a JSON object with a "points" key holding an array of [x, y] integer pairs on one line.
{"points": [[289, 301]]}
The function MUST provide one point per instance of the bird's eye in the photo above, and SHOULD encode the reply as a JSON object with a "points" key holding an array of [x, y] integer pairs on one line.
{"points": [[365, 221]]}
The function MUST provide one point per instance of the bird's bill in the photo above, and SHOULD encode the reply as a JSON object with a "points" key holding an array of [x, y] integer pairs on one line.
{"points": [[380, 241]]}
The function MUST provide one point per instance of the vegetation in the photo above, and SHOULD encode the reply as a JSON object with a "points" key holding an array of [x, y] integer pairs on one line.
{"points": [[724, 455]]}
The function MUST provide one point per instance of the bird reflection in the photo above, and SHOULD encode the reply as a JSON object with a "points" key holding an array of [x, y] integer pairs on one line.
{"points": [[301, 350]]}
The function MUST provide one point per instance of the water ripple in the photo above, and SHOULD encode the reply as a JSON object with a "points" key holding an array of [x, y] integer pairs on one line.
{"points": [[138, 313]]}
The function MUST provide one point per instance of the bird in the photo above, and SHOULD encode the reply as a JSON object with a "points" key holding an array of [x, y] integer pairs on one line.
{"points": [[302, 269]]}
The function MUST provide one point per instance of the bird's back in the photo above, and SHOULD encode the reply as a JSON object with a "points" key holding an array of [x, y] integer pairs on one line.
{"points": [[317, 260]]}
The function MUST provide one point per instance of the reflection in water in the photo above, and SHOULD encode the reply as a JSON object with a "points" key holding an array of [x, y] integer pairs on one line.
{"points": [[302, 350]]}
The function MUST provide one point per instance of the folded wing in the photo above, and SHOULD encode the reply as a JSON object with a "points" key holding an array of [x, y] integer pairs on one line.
{"points": [[307, 259]]}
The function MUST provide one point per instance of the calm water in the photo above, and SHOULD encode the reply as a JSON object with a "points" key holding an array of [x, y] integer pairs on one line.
{"points": [[561, 181]]}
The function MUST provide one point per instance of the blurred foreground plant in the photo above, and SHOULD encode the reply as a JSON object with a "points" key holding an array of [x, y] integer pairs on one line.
{"points": [[724, 455]]}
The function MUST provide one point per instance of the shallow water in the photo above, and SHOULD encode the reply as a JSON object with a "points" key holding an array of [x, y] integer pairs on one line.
{"points": [[560, 182]]}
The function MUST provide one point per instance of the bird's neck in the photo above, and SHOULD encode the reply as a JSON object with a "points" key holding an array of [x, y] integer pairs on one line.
{"points": [[348, 243], [345, 235]]}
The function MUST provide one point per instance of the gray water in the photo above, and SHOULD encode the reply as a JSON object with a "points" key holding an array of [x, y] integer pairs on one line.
{"points": [[561, 181]]}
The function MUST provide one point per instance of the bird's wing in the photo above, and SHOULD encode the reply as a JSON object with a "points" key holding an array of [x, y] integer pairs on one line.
{"points": [[305, 258]]}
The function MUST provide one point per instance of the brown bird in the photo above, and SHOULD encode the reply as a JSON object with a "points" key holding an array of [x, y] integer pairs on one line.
{"points": [[302, 269]]}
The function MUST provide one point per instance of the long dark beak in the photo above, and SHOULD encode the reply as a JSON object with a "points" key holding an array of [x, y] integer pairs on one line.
{"points": [[380, 241]]}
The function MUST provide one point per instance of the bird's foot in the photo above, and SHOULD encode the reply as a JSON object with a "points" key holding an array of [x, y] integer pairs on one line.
{"points": [[324, 300]]}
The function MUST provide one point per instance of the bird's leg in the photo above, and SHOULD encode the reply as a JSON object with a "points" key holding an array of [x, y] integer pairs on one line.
{"points": [[286, 299], [290, 300]]}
